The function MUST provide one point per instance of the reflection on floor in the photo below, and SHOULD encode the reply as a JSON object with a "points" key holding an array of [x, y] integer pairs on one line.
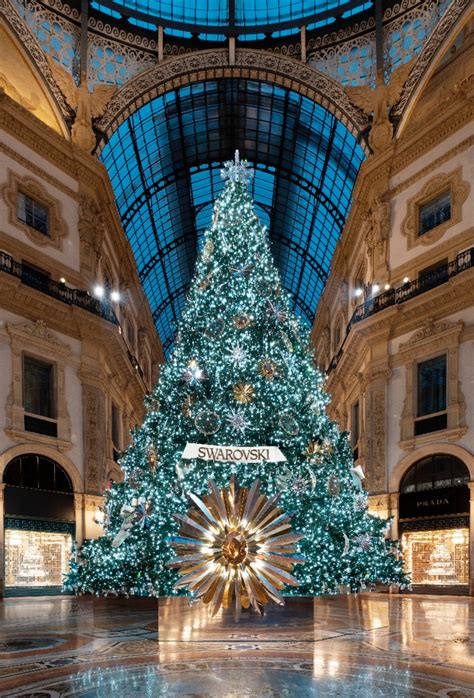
{"points": [[366, 645]]}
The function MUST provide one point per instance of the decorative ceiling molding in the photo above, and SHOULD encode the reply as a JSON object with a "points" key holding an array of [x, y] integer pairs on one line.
{"points": [[36, 53], [249, 64], [424, 62]]}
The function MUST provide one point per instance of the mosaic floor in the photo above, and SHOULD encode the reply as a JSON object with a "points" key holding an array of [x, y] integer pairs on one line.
{"points": [[368, 645]]}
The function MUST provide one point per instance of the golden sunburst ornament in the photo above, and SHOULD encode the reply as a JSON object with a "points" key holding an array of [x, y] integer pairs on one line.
{"points": [[235, 548], [243, 392]]}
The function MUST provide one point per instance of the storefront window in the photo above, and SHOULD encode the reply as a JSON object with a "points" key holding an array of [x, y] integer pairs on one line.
{"points": [[437, 558], [36, 558]]}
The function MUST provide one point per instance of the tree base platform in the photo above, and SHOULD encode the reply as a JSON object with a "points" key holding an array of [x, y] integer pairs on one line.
{"points": [[178, 621]]}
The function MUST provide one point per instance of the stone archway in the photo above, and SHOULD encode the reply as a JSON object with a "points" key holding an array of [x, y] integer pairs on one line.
{"points": [[7, 456], [249, 64], [405, 464]]}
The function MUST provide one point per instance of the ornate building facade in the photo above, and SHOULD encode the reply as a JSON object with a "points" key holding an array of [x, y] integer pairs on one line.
{"points": [[74, 368], [395, 324]]}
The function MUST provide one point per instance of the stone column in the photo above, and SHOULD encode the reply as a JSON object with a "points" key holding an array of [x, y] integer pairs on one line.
{"points": [[471, 539], [79, 515], [376, 381], [2, 540], [95, 438]]}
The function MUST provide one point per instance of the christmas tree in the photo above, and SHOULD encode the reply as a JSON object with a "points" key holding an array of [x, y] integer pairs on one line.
{"points": [[242, 374]]}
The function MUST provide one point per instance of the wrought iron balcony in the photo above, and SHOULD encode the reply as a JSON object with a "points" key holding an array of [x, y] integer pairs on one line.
{"points": [[395, 296], [41, 282]]}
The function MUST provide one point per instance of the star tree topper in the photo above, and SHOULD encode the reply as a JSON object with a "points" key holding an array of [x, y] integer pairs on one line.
{"points": [[237, 170]]}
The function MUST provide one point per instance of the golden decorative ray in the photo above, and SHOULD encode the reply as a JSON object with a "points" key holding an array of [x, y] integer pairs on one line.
{"points": [[235, 547]]}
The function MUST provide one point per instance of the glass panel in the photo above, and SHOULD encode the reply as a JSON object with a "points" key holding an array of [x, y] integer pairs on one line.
{"points": [[249, 13], [36, 558], [439, 558], [37, 387], [432, 386], [32, 213], [435, 472], [434, 212]]}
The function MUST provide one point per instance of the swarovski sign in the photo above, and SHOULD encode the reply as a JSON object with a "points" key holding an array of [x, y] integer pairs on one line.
{"points": [[234, 454]]}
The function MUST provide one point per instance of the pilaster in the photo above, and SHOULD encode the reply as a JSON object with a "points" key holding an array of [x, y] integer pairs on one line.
{"points": [[471, 538], [2, 540], [79, 517]]}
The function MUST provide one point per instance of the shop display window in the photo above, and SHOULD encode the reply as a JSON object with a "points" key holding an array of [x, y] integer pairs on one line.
{"points": [[36, 558], [437, 558]]}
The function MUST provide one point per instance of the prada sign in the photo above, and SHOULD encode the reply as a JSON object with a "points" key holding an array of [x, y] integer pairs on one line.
{"points": [[443, 502]]}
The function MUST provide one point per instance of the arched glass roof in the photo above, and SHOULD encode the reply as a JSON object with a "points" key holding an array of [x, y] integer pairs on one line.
{"points": [[164, 163], [238, 16]]}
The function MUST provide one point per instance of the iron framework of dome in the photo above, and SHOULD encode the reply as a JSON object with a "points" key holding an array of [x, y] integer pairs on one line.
{"points": [[233, 17], [164, 163]]}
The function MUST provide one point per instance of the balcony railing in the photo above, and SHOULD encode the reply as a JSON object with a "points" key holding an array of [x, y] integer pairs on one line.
{"points": [[395, 296], [41, 282]]}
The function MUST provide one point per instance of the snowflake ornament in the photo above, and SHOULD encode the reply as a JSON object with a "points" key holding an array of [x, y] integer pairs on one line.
{"points": [[237, 355], [236, 170], [237, 421], [241, 270], [304, 480], [277, 311], [360, 502], [363, 541]]}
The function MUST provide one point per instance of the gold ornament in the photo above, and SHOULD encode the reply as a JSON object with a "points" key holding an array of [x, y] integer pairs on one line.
{"points": [[235, 548], [188, 402], [313, 448], [267, 369], [241, 321], [152, 457], [207, 250], [243, 392], [328, 447], [204, 283]]}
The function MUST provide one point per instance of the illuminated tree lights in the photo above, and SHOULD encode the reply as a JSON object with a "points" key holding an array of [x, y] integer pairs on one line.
{"points": [[242, 374]]}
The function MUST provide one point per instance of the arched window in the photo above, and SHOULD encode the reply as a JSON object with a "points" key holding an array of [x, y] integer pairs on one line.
{"points": [[37, 472], [435, 472]]}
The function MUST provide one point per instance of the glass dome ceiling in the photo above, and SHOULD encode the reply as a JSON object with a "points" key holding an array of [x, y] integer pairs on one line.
{"points": [[164, 163], [233, 16]]}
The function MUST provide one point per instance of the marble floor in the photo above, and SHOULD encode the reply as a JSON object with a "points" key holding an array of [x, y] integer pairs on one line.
{"points": [[367, 645]]}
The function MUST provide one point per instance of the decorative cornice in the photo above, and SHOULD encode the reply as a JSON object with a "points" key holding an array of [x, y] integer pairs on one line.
{"points": [[38, 332], [433, 165], [39, 171], [430, 331], [446, 435]]}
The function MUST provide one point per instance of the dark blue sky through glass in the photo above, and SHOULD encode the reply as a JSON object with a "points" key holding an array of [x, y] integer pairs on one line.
{"points": [[164, 163]]}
